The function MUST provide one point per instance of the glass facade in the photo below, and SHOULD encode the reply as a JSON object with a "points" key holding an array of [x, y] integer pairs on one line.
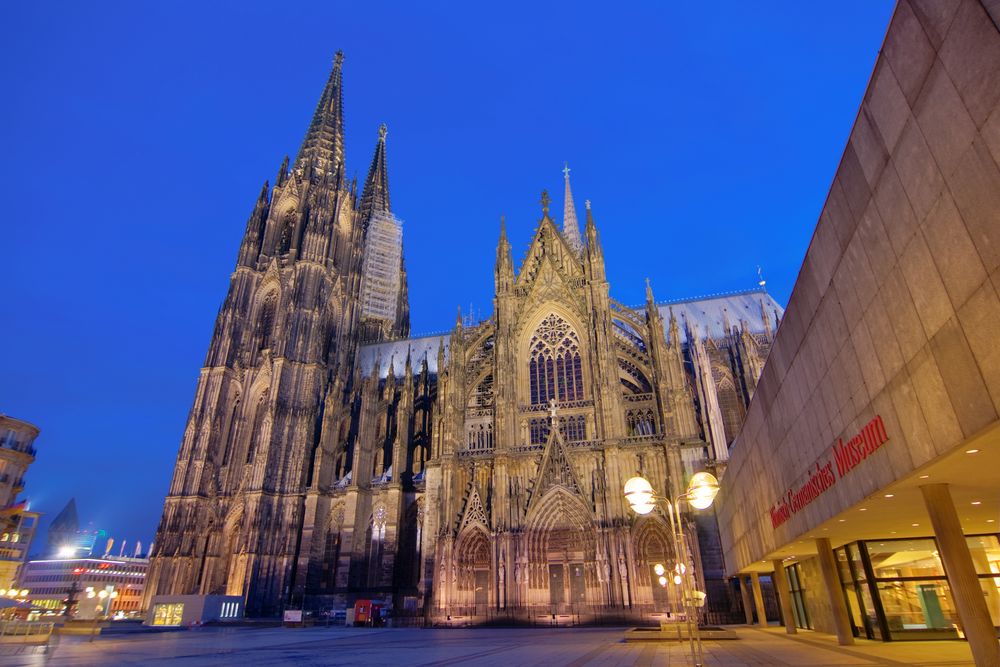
{"points": [[798, 597], [897, 589]]}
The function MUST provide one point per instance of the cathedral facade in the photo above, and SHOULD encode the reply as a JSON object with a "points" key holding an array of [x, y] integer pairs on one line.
{"points": [[329, 457]]}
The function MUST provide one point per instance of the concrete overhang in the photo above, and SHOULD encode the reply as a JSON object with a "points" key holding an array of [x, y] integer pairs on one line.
{"points": [[971, 470]]}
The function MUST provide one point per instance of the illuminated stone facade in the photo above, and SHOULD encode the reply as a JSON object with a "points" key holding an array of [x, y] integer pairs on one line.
{"points": [[479, 472]]}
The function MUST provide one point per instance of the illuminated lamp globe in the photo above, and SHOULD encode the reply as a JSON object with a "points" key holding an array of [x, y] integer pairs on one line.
{"points": [[702, 490], [663, 581], [24, 592], [102, 594], [639, 494], [3, 591], [659, 569], [66, 552], [643, 508], [114, 594], [677, 579]]}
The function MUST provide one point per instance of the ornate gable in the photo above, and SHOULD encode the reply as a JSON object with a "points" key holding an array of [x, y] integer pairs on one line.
{"points": [[549, 244], [474, 512], [550, 283], [555, 470]]}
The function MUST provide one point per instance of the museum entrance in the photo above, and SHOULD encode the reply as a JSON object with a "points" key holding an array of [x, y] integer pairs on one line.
{"points": [[896, 588]]}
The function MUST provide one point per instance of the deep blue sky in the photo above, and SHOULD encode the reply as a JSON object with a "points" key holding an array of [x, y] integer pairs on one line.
{"points": [[136, 136]]}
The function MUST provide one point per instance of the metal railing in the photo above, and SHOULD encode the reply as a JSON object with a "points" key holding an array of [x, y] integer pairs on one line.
{"points": [[14, 629]]}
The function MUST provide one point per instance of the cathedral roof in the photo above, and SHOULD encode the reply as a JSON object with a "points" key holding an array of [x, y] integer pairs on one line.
{"points": [[420, 348], [708, 313]]}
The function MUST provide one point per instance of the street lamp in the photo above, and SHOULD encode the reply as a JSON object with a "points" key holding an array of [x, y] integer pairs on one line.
{"points": [[701, 492]]}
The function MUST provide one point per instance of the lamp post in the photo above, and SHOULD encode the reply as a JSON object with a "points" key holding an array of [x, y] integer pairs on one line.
{"points": [[700, 494]]}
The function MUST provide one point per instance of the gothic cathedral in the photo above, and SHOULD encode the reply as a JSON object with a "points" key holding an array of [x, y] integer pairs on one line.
{"points": [[330, 457]]}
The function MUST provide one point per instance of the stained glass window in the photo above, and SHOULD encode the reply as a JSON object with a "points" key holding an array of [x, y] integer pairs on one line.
{"points": [[555, 370]]}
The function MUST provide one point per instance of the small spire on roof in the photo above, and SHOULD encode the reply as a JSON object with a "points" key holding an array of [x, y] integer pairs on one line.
{"points": [[571, 228], [545, 203], [760, 278], [764, 317]]}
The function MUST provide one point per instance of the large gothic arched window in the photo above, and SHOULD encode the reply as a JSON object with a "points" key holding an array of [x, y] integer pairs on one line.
{"points": [[555, 370]]}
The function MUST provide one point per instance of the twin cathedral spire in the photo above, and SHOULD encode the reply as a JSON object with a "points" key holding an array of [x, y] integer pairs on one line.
{"points": [[322, 150], [313, 213]]}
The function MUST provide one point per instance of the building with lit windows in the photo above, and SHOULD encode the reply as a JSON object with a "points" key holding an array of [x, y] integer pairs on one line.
{"points": [[866, 477], [17, 524], [101, 586], [15, 540]]}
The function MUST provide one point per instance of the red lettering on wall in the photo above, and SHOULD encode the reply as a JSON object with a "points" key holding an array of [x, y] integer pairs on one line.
{"points": [[847, 456]]}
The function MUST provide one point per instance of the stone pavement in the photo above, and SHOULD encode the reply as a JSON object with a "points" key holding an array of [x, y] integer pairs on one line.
{"points": [[569, 647]]}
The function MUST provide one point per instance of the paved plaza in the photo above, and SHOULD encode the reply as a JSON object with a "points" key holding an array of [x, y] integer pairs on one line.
{"points": [[361, 647]]}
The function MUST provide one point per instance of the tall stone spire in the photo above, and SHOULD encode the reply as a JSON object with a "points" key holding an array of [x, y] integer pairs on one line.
{"points": [[385, 309], [571, 229], [322, 150], [375, 195]]}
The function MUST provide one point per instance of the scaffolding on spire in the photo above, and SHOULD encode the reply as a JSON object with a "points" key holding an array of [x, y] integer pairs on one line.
{"points": [[380, 281]]}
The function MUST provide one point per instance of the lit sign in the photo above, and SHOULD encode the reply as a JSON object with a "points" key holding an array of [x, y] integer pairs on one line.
{"points": [[846, 457]]}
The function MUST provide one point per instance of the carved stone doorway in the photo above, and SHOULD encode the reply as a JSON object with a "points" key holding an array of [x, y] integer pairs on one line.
{"points": [[482, 583], [557, 584], [577, 584]]}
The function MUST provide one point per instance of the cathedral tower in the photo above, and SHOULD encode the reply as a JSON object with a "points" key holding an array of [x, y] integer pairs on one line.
{"points": [[281, 354]]}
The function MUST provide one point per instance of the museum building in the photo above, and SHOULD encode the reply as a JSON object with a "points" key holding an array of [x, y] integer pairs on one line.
{"points": [[865, 481]]}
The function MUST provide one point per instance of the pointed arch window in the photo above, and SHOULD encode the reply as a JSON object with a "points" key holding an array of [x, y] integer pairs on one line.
{"points": [[265, 322], [555, 368], [257, 430], [230, 432]]}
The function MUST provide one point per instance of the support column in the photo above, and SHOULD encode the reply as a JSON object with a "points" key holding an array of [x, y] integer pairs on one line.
{"points": [[784, 596], [747, 604], [961, 572], [758, 598], [833, 592]]}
